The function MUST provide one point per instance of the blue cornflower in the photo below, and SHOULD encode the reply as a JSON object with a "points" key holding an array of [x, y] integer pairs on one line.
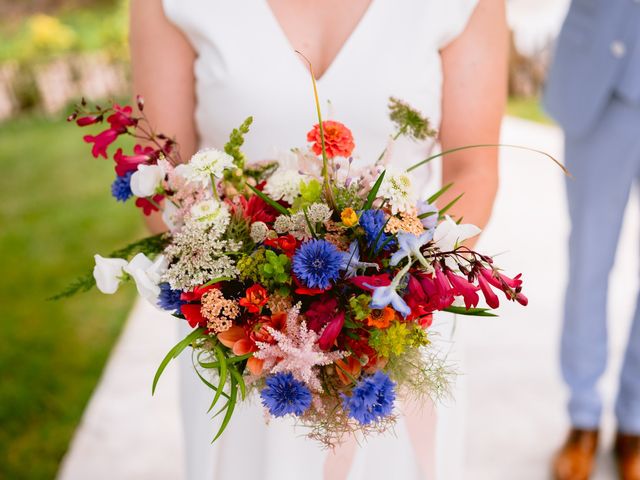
{"points": [[121, 187], [284, 395], [371, 399], [317, 263], [169, 299], [373, 223]]}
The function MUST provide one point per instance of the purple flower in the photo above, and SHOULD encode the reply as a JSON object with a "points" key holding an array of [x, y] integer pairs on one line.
{"points": [[284, 395], [317, 263], [371, 399]]}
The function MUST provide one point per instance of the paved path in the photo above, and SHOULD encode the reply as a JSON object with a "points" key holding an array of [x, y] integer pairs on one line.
{"points": [[516, 416]]}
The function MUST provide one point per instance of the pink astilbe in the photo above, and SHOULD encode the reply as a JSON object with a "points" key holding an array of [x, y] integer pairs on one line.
{"points": [[296, 350]]}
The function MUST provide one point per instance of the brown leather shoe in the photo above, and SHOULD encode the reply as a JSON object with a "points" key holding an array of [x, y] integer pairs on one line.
{"points": [[576, 458], [627, 450]]}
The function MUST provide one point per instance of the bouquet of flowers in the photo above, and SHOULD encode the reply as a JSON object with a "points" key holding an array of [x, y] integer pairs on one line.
{"points": [[312, 286]]}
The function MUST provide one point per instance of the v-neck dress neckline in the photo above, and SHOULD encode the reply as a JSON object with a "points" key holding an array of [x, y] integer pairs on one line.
{"points": [[286, 47]]}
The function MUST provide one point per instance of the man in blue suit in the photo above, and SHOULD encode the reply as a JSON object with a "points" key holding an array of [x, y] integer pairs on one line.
{"points": [[593, 92]]}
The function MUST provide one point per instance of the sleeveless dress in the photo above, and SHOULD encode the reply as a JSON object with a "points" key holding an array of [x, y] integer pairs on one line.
{"points": [[246, 66]]}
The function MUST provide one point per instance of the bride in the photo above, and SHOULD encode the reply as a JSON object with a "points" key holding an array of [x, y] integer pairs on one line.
{"points": [[203, 66]]}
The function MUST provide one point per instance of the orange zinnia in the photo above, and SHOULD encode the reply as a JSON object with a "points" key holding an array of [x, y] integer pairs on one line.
{"points": [[338, 139], [381, 318]]}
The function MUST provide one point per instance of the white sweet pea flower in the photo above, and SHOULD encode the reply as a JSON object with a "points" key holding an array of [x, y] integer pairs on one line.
{"points": [[108, 273], [146, 180], [147, 275], [449, 234], [207, 163]]}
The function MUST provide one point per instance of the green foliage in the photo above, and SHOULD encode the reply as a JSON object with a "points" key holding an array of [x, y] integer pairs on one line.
{"points": [[238, 231], [396, 339], [276, 270], [56, 212], [347, 197], [236, 140], [409, 121], [360, 306], [310, 193], [42, 37], [249, 266]]}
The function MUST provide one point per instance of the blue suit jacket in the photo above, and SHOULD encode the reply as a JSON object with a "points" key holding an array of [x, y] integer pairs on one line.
{"points": [[597, 54]]}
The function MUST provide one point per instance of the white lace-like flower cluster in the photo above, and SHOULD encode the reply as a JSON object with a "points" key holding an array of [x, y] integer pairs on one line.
{"points": [[196, 255]]}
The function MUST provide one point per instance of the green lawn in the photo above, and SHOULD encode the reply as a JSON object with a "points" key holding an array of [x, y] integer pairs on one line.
{"points": [[529, 109], [55, 213]]}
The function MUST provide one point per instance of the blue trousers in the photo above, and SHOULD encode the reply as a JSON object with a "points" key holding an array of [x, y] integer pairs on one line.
{"points": [[604, 165]]}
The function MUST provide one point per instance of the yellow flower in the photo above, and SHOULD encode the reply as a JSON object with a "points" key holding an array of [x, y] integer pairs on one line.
{"points": [[349, 217]]}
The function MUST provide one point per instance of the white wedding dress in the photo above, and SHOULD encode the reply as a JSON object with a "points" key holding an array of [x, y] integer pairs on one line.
{"points": [[246, 66]]}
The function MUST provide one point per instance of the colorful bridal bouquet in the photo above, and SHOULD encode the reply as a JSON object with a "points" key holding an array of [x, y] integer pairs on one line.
{"points": [[313, 285]]}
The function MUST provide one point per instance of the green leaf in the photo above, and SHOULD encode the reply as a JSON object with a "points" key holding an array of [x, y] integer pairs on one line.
{"points": [[269, 201], [243, 389], [233, 395], [217, 280], [229, 360], [473, 312], [374, 191], [489, 145], [205, 381], [448, 206], [174, 352], [222, 372], [439, 193]]}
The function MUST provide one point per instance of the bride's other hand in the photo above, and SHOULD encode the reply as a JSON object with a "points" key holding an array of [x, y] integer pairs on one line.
{"points": [[162, 64], [474, 97]]}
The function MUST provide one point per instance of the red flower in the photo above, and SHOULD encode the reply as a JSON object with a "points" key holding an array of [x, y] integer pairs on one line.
{"points": [[257, 210], [256, 298], [323, 317], [370, 282], [320, 313], [148, 207], [121, 118], [191, 311], [489, 295], [461, 286], [331, 331], [129, 163], [338, 139], [88, 120], [286, 243], [102, 141], [302, 290]]}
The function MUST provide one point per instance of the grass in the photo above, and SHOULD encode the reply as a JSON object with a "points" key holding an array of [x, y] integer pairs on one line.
{"points": [[529, 109], [55, 213]]}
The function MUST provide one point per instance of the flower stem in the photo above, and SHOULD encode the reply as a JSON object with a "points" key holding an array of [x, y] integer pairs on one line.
{"points": [[214, 189]]}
